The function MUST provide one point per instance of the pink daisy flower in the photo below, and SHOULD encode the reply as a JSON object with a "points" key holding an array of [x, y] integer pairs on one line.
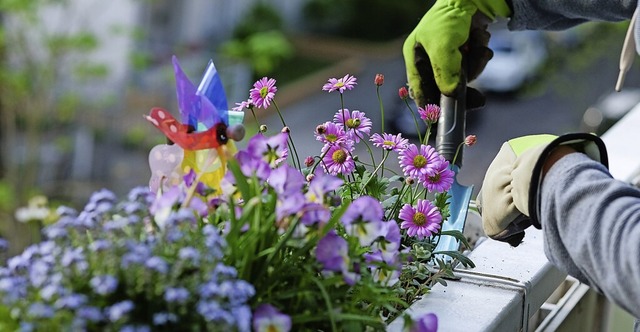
{"points": [[389, 141], [417, 163], [430, 113], [337, 160], [356, 123], [340, 84], [331, 133], [245, 104], [263, 92], [441, 180], [420, 221]]}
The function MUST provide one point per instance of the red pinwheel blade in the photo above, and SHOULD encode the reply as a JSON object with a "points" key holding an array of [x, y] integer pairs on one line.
{"points": [[180, 133]]}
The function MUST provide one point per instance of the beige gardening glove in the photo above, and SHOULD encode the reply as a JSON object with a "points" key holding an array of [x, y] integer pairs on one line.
{"points": [[509, 198]]}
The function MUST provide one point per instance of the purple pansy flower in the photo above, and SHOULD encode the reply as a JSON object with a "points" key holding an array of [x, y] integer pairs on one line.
{"points": [[363, 219], [267, 318], [426, 323]]}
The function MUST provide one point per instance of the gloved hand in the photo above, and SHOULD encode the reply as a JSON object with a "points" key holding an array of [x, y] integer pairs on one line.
{"points": [[432, 51], [509, 198]]}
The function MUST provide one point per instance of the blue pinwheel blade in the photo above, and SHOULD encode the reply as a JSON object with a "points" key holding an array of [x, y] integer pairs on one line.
{"points": [[188, 102], [212, 88]]}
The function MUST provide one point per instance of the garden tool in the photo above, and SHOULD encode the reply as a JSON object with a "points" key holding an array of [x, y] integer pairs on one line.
{"points": [[449, 140]]}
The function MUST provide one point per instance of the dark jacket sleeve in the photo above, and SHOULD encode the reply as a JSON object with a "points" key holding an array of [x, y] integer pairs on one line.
{"points": [[591, 225], [563, 14]]}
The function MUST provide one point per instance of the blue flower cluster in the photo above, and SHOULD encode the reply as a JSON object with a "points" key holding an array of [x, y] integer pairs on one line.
{"points": [[110, 267]]}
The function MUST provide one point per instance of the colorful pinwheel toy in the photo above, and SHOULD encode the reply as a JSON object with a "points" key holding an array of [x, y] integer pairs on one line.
{"points": [[203, 140]]}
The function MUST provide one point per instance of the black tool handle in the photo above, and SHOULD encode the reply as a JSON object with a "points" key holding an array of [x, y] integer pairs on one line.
{"points": [[451, 126]]}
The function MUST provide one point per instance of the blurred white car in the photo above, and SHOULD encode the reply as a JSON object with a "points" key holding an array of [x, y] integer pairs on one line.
{"points": [[517, 56], [609, 108]]}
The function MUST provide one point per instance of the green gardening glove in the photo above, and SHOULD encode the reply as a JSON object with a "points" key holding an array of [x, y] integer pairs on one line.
{"points": [[509, 198], [432, 51]]}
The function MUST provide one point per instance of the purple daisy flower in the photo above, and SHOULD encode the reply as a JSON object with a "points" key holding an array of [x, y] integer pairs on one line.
{"points": [[337, 160], [267, 318], [416, 162], [421, 221], [356, 122], [441, 180], [430, 113], [331, 133], [263, 92], [389, 141], [340, 84]]}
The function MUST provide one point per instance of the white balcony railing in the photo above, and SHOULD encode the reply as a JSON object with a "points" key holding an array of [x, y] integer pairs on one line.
{"points": [[517, 289]]}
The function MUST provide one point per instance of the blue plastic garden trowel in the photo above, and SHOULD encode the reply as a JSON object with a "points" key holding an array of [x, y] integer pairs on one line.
{"points": [[450, 137]]}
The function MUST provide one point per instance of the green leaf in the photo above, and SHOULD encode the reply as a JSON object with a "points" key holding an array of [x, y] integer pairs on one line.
{"points": [[458, 235], [464, 260], [241, 180]]}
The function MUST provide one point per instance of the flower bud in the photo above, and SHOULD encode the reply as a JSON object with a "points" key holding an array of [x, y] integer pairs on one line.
{"points": [[379, 80], [470, 140], [310, 177], [263, 128], [285, 130], [403, 93], [321, 129], [308, 161], [409, 181]]}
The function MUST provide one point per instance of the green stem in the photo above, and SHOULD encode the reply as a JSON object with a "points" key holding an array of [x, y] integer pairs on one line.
{"points": [[344, 117], [455, 157], [293, 146], [255, 118], [381, 108], [374, 172], [415, 120], [426, 138]]}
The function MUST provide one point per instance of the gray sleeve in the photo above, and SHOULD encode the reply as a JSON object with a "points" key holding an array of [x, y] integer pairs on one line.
{"points": [[563, 14], [591, 225]]}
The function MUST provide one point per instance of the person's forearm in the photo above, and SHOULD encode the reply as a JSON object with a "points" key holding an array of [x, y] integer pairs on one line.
{"points": [[591, 225], [559, 15]]}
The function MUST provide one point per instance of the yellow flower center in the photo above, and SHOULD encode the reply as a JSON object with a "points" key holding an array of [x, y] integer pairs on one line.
{"points": [[272, 328], [388, 143], [331, 137], [339, 156], [419, 219], [419, 161], [264, 91], [353, 123], [339, 85], [435, 178]]}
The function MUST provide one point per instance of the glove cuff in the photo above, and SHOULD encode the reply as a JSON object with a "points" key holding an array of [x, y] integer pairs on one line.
{"points": [[588, 144]]}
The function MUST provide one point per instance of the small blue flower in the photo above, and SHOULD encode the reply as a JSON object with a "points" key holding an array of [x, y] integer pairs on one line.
{"points": [[54, 232], [142, 194], [135, 328], [40, 310], [100, 245], [211, 311], [71, 301], [90, 313], [157, 264], [65, 211], [104, 285], [178, 295], [119, 310], [189, 254], [163, 318]]}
